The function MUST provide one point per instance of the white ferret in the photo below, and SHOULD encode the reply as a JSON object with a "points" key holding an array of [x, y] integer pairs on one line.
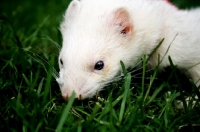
{"points": [[97, 34]]}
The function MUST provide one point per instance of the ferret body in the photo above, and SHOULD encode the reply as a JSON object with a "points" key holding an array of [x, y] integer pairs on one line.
{"points": [[98, 34]]}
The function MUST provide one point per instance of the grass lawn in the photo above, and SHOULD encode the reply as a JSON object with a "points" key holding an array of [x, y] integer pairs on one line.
{"points": [[30, 98]]}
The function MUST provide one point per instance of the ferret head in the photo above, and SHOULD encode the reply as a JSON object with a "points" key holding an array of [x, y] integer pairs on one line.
{"points": [[96, 38]]}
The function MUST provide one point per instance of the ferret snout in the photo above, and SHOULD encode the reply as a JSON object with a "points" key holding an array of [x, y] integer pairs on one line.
{"points": [[67, 94]]}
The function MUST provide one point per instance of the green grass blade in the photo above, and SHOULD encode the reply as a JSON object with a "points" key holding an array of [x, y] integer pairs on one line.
{"points": [[26, 79], [155, 93], [65, 113], [123, 68], [151, 82], [125, 95], [143, 73], [107, 109], [48, 80], [40, 87], [94, 111], [31, 38], [155, 49]]}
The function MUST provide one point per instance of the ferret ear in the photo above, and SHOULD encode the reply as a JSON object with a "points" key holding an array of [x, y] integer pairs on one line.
{"points": [[121, 18], [73, 8]]}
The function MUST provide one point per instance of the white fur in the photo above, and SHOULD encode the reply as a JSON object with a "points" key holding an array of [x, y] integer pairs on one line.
{"points": [[89, 36]]}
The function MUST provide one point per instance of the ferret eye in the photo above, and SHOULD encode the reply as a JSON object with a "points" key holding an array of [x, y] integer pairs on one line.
{"points": [[61, 62], [99, 65]]}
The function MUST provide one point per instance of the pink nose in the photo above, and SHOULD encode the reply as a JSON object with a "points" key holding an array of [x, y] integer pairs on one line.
{"points": [[66, 97]]}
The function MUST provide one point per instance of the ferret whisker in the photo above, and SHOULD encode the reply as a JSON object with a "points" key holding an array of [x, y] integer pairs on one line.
{"points": [[38, 58], [141, 77], [139, 84], [134, 75], [137, 74], [138, 63], [51, 40], [122, 75], [55, 73], [109, 83], [136, 70], [141, 72]]}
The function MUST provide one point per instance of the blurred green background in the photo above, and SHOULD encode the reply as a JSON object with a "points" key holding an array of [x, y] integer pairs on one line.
{"points": [[26, 13], [27, 16], [32, 12]]}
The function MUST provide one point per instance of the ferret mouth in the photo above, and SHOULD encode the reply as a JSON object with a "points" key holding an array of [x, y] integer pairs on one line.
{"points": [[81, 95], [91, 92], [66, 98]]}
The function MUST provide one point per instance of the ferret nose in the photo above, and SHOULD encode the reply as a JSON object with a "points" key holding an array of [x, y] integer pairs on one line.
{"points": [[66, 97]]}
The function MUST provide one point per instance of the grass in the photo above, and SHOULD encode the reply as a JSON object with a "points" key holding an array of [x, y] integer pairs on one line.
{"points": [[30, 99]]}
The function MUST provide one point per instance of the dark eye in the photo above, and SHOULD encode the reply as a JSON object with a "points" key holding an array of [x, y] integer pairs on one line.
{"points": [[99, 65], [61, 62]]}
